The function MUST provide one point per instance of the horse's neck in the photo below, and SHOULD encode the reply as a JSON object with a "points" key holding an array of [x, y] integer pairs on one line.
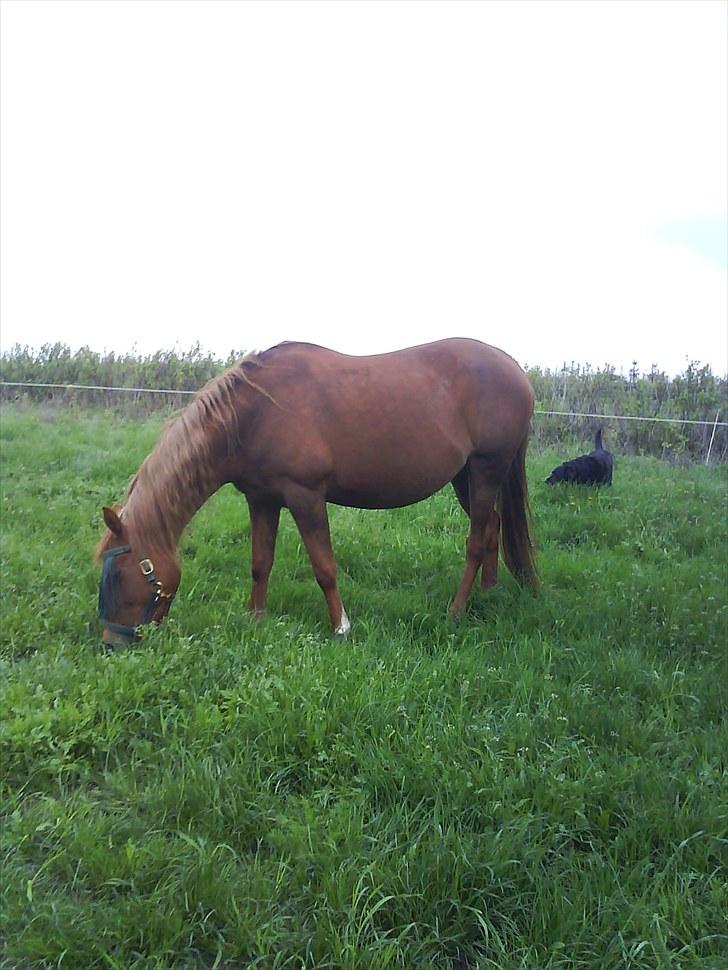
{"points": [[169, 489]]}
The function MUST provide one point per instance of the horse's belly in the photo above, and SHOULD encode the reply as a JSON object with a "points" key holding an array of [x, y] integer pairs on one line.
{"points": [[381, 497], [389, 481]]}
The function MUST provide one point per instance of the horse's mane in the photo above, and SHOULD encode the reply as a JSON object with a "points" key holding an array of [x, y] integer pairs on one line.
{"points": [[181, 471]]}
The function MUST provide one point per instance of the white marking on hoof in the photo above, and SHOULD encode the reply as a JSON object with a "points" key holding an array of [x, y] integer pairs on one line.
{"points": [[344, 627]]}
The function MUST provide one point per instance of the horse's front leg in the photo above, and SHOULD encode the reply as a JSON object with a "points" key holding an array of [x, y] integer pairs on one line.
{"points": [[264, 518], [308, 509]]}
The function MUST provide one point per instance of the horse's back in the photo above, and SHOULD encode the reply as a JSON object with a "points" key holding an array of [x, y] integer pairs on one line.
{"points": [[477, 368], [437, 353], [390, 429], [449, 383]]}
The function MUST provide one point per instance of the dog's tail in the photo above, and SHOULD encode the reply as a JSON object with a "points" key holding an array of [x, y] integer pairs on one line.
{"points": [[518, 549], [598, 441]]}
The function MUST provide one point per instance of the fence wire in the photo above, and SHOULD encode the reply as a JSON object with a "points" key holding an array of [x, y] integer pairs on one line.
{"points": [[96, 387], [172, 391], [700, 438]]}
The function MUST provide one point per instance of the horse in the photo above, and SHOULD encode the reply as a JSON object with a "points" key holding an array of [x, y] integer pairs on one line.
{"points": [[299, 426], [592, 469]]}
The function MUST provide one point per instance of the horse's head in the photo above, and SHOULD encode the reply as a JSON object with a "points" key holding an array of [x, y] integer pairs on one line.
{"points": [[137, 584]]}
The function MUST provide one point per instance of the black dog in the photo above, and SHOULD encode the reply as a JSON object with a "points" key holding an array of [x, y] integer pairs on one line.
{"points": [[592, 469]]}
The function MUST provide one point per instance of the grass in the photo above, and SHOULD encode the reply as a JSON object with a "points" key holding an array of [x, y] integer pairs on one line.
{"points": [[542, 786]]}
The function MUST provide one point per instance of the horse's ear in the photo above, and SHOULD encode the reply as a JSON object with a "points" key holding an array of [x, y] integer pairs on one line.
{"points": [[112, 520]]}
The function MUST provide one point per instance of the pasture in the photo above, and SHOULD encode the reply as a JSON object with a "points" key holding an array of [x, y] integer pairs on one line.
{"points": [[541, 786]]}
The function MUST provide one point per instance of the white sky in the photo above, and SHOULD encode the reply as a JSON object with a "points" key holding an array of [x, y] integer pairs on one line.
{"points": [[368, 175]]}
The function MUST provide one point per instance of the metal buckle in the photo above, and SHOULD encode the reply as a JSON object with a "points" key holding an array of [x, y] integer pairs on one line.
{"points": [[147, 567]]}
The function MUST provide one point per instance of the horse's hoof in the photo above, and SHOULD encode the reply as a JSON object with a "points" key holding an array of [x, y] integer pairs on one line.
{"points": [[342, 631]]}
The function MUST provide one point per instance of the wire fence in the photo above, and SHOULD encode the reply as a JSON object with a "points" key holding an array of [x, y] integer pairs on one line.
{"points": [[95, 387], [578, 422]]}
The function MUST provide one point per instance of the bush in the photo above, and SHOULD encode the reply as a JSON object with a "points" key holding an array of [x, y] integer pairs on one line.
{"points": [[695, 395]]}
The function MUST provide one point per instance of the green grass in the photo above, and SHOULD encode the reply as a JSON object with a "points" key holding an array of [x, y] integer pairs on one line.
{"points": [[542, 786]]}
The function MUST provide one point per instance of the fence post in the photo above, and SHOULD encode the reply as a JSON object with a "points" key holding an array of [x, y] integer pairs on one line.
{"points": [[710, 446]]}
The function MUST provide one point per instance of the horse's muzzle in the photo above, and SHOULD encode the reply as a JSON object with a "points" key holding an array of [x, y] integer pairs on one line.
{"points": [[111, 639]]}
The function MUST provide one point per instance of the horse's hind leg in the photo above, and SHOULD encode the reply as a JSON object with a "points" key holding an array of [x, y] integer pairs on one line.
{"points": [[491, 534], [264, 519], [460, 485], [489, 575], [482, 545], [309, 511]]}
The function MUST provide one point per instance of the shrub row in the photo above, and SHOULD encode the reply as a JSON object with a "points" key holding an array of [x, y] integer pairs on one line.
{"points": [[695, 395]]}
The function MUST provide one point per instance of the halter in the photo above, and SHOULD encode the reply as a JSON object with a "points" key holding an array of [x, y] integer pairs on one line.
{"points": [[157, 592]]}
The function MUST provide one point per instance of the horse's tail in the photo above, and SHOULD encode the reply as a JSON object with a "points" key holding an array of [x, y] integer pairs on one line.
{"points": [[512, 504]]}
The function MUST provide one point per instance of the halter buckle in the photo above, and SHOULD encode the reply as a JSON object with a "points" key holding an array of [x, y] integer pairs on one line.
{"points": [[147, 567]]}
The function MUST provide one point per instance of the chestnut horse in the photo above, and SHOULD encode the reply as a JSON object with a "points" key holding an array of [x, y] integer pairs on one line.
{"points": [[298, 426]]}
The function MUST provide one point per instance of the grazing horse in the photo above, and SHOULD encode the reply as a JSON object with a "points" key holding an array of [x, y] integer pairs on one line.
{"points": [[298, 426]]}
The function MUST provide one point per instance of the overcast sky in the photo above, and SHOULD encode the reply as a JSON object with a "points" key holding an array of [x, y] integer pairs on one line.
{"points": [[547, 177]]}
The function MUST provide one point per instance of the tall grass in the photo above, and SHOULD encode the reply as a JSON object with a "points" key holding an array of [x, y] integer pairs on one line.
{"points": [[696, 395], [542, 786]]}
